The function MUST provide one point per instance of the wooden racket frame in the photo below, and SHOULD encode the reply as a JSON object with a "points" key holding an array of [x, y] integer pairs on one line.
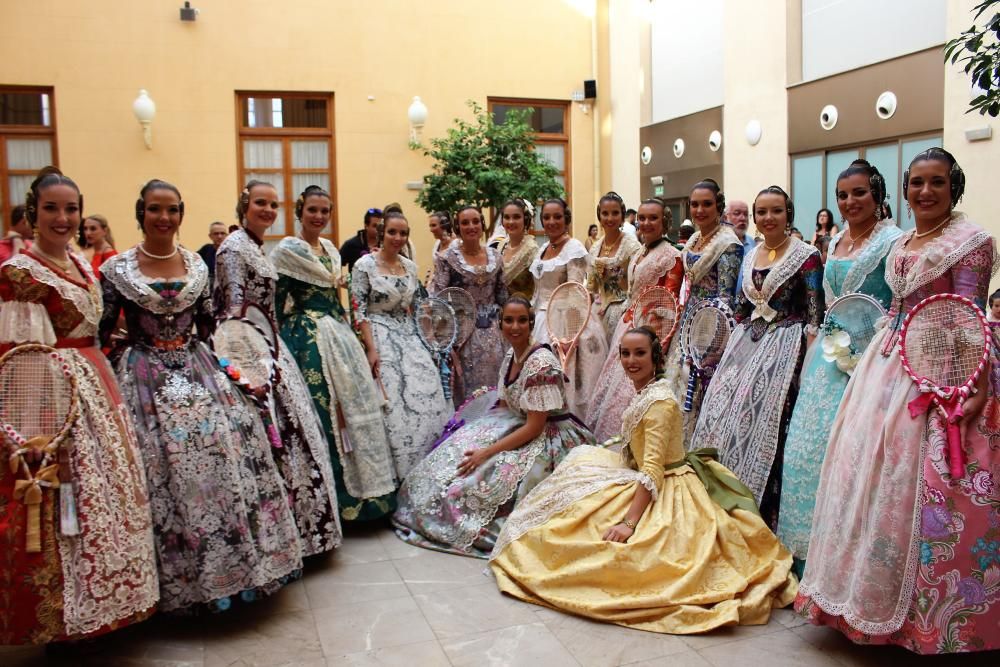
{"points": [[956, 458], [565, 355], [272, 345]]}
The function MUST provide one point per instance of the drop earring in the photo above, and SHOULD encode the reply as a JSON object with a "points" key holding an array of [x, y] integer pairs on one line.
{"points": [[909, 211]]}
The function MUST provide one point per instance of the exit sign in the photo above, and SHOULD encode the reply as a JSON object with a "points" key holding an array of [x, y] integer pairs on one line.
{"points": [[658, 191]]}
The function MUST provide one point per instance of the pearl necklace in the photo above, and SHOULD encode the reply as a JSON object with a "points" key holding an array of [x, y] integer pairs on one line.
{"points": [[920, 235], [142, 249]]}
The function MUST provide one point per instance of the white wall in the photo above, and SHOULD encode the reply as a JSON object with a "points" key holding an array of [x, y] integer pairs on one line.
{"points": [[687, 56], [841, 35]]}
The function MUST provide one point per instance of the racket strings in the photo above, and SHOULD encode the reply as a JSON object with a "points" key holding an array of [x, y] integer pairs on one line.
{"points": [[708, 334], [568, 312], [37, 396], [858, 318], [656, 308], [436, 324], [949, 343], [464, 308]]}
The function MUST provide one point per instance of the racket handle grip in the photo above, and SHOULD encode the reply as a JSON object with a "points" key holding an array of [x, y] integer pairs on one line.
{"points": [[68, 524], [689, 396], [956, 457], [445, 378]]}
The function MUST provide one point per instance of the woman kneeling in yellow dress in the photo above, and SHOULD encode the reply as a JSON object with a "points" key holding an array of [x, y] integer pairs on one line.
{"points": [[650, 538]]}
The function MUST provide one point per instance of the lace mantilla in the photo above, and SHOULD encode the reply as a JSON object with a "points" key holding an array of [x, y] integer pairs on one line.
{"points": [[710, 254], [293, 258], [521, 260], [240, 243], [777, 276], [573, 249], [387, 284], [453, 255], [875, 249], [123, 272], [573, 481], [959, 237], [87, 300], [646, 268], [628, 245]]}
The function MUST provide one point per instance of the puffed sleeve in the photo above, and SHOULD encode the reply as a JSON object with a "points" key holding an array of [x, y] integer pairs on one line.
{"points": [[442, 273], [360, 292], [728, 267], [674, 278], [812, 270], [661, 426], [23, 314], [543, 389], [228, 294], [970, 277], [113, 302]]}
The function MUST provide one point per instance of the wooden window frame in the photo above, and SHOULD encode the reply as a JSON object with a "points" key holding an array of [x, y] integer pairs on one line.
{"points": [[9, 199], [287, 135], [543, 138]]}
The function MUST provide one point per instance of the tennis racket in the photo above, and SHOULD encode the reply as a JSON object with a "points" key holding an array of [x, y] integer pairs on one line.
{"points": [[656, 308], [944, 347], [246, 347], [849, 326], [38, 406], [465, 312], [566, 317], [438, 328], [706, 332]]}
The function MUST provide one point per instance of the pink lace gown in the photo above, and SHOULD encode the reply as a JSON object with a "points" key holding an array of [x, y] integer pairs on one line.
{"points": [[901, 552], [661, 266]]}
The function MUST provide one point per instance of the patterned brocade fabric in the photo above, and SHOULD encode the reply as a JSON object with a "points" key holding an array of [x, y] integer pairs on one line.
{"points": [[105, 577]]}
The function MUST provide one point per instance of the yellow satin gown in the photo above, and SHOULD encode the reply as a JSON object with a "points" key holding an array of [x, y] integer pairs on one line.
{"points": [[691, 565]]}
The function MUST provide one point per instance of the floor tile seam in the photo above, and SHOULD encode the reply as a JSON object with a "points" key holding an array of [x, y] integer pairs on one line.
{"points": [[467, 635], [722, 642]]}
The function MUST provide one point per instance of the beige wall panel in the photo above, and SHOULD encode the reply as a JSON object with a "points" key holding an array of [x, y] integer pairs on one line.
{"points": [[755, 75], [979, 159], [97, 57]]}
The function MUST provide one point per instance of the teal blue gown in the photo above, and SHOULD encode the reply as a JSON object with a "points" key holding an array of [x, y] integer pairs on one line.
{"points": [[822, 387]]}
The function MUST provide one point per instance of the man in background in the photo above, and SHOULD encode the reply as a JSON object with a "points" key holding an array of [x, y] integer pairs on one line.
{"points": [[364, 241], [738, 215], [217, 232]]}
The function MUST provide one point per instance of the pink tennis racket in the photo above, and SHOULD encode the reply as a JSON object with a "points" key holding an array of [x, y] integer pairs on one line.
{"points": [[945, 345]]}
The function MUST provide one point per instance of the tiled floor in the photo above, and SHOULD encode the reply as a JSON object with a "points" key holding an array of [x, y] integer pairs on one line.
{"points": [[378, 601]]}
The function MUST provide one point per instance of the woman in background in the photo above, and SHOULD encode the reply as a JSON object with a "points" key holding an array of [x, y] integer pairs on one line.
{"points": [[518, 248], [99, 244], [314, 327]]}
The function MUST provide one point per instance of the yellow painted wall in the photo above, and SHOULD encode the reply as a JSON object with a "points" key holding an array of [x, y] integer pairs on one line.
{"points": [[98, 55]]}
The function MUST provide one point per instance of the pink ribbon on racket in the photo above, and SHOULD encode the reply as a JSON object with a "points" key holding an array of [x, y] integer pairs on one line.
{"points": [[950, 403]]}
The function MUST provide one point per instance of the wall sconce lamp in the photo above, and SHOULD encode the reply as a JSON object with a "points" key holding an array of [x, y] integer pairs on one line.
{"points": [[145, 109], [417, 114]]}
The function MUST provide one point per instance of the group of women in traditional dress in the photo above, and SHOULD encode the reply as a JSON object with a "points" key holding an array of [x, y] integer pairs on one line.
{"points": [[791, 476]]}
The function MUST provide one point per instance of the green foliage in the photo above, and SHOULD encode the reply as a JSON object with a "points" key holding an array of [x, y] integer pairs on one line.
{"points": [[980, 51], [485, 164]]}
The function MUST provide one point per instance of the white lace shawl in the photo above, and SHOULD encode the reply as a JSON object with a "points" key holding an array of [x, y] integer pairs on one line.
{"points": [[710, 254], [239, 242], [778, 275], [22, 322], [522, 259], [292, 257], [959, 237], [572, 250], [875, 249], [122, 271]]}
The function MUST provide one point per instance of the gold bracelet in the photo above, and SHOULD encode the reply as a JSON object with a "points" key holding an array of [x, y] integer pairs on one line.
{"points": [[629, 523]]}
